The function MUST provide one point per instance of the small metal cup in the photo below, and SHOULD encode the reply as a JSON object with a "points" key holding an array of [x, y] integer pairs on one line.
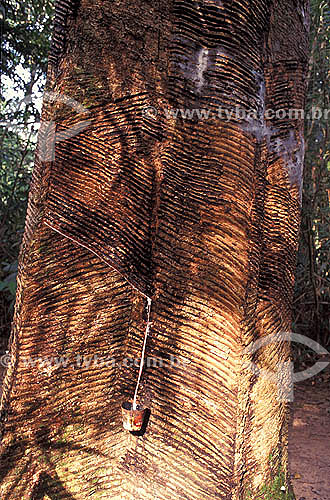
{"points": [[132, 419]]}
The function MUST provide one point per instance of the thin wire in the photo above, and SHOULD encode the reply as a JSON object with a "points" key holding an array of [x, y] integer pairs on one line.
{"points": [[97, 255], [143, 352]]}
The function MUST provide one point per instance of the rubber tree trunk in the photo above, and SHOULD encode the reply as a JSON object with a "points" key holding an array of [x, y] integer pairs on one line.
{"points": [[131, 199]]}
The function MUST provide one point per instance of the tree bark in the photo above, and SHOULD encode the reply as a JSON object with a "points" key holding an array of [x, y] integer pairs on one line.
{"points": [[201, 215]]}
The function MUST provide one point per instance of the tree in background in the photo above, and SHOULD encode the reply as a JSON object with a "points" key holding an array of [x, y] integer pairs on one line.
{"points": [[25, 35], [312, 294]]}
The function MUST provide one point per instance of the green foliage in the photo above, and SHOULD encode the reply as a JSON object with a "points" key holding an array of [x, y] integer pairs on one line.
{"points": [[312, 293], [274, 489], [25, 36], [9, 283], [15, 171]]}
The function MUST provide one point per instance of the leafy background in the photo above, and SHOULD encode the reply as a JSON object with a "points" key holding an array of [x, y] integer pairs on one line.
{"points": [[312, 287], [25, 34], [25, 39]]}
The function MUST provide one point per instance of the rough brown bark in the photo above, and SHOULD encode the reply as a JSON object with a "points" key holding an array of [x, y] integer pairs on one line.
{"points": [[202, 216]]}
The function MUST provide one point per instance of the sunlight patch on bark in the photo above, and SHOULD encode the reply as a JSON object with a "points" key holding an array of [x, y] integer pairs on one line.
{"points": [[202, 60]]}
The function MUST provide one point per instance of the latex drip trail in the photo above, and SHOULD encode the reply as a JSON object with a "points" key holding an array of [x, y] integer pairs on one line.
{"points": [[143, 351]]}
